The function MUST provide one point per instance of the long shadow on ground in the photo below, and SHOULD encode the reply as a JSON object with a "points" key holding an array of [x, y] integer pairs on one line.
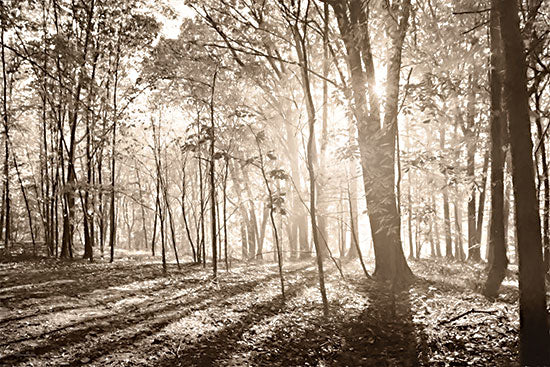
{"points": [[147, 318], [211, 348], [60, 278], [384, 334]]}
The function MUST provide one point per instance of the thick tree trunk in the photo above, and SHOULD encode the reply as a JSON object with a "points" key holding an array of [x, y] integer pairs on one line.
{"points": [[377, 143], [534, 338]]}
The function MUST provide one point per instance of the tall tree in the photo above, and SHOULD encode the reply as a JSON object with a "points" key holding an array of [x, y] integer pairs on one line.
{"points": [[497, 243], [377, 141], [534, 338]]}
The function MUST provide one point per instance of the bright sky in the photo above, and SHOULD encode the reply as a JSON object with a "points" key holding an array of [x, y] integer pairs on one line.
{"points": [[171, 27]]}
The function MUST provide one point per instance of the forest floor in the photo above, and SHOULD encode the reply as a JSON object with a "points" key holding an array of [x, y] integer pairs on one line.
{"points": [[56, 313]]}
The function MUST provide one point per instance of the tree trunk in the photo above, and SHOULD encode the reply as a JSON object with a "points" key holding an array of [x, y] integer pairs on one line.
{"points": [[225, 175], [436, 228], [157, 208], [162, 234], [481, 203], [409, 217], [474, 253], [377, 143], [354, 221], [184, 211], [459, 246], [6, 192], [311, 159], [142, 208], [212, 180], [237, 188], [497, 243], [253, 233], [265, 215], [534, 338]]}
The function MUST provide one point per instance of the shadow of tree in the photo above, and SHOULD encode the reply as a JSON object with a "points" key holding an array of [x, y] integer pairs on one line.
{"points": [[212, 348], [384, 334], [144, 320]]}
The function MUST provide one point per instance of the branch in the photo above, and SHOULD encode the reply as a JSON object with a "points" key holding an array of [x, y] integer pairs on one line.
{"points": [[479, 11], [466, 313], [479, 25]]}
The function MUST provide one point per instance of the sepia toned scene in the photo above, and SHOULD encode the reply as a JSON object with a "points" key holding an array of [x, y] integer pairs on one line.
{"points": [[274, 183]]}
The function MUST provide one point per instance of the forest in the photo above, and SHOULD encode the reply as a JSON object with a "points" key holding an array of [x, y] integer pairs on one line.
{"points": [[274, 183]]}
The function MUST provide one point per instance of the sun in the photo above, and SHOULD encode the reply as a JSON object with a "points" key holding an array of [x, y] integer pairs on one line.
{"points": [[379, 89]]}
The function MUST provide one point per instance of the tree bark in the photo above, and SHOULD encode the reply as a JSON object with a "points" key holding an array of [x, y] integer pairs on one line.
{"points": [[534, 338], [311, 159], [6, 191], [497, 243], [377, 143], [474, 253]]}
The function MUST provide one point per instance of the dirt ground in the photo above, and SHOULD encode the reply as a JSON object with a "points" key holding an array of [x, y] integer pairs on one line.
{"points": [[55, 313]]}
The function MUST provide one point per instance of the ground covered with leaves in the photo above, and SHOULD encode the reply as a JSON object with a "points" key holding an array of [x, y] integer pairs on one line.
{"points": [[130, 313]]}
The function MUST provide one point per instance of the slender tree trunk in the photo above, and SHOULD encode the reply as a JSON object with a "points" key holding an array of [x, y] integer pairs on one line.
{"points": [[446, 211], [225, 175], [157, 215], [202, 242], [272, 217], [436, 227], [6, 212], [354, 241], [87, 213], [545, 180], [447, 219], [265, 215], [482, 195], [474, 253], [26, 200], [112, 208], [459, 246], [497, 243], [253, 233], [142, 208], [311, 160], [354, 220], [101, 202], [409, 216], [237, 188], [162, 233], [212, 181], [184, 211]]}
